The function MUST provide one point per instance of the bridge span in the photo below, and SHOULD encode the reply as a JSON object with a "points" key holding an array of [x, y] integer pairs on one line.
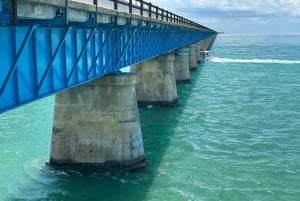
{"points": [[75, 49]]}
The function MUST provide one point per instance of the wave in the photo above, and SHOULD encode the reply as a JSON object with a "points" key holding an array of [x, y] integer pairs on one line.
{"points": [[267, 61]]}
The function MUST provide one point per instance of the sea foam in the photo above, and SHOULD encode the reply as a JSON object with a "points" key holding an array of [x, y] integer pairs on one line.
{"points": [[268, 61]]}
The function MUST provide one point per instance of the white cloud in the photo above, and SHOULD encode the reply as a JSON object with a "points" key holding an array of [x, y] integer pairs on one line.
{"points": [[258, 13], [280, 7]]}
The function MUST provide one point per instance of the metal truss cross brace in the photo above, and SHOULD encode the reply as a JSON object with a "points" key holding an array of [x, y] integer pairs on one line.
{"points": [[50, 66], [99, 52], [126, 46], [75, 66], [114, 49], [14, 66], [134, 46]]}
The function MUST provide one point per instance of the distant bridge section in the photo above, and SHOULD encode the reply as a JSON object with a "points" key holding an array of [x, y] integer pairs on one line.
{"points": [[50, 46]]}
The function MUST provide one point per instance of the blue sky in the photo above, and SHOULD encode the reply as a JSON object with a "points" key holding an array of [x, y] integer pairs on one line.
{"points": [[239, 16]]}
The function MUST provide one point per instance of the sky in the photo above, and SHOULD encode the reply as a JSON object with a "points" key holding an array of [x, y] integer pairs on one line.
{"points": [[239, 16]]}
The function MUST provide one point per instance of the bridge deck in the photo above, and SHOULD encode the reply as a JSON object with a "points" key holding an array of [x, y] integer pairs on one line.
{"points": [[83, 10]]}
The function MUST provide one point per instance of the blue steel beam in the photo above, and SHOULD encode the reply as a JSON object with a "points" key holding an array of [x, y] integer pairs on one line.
{"points": [[46, 61], [38, 60]]}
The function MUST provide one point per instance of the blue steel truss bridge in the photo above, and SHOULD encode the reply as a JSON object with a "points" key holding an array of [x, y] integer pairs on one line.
{"points": [[50, 46]]}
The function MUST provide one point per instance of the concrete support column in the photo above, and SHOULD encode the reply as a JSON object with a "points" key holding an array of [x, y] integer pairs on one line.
{"points": [[192, 57], [201, 45], [209, 41], [156, 83], [198, 48], [182, 69], [96, 127]]}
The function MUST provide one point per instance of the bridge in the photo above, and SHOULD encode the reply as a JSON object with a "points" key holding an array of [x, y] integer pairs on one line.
{"points": [[75, 49]]}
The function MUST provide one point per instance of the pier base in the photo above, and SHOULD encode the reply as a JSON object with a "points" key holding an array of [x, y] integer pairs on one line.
{"points": [[182, 70], [192, 57], [96, 127], [156, 83]]}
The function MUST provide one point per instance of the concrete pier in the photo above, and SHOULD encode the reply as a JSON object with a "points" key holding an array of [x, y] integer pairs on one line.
{"points": [[192, 57], [202, 45], [97, 128], [209, 42], [156, 83], [182, 69], [199, 47], [206, 43]]}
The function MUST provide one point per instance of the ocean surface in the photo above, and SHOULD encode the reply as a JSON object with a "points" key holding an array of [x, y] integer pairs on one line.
{"points": [[235, 136]]}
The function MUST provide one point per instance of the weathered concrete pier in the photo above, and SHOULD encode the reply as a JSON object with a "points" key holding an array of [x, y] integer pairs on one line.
{"points": [[75, 50], [182, 67], [92, 133], [192, 57], [156, 84]]}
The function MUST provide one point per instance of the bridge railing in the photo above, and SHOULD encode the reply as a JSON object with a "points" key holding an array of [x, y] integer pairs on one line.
{"points": [[147, 9], [8, 9]]}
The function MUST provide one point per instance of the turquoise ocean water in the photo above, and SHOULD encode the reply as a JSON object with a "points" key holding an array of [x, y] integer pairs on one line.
{"points": [[236, 136]]}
